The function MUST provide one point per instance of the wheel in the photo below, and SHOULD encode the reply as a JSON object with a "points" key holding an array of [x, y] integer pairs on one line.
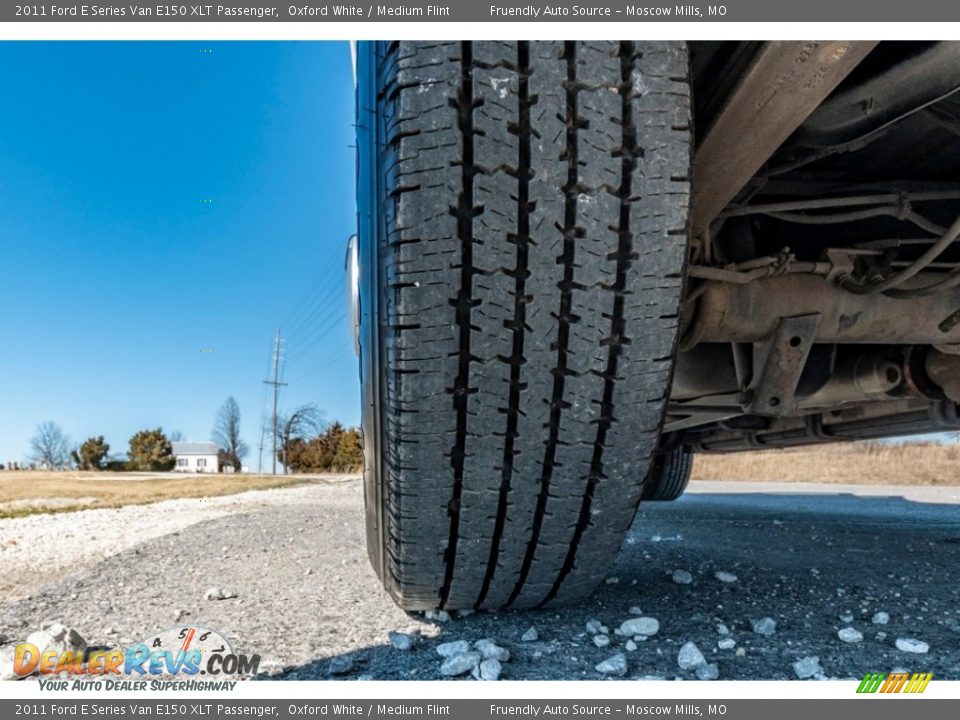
{"points": [[668, 475], [523, 215]]}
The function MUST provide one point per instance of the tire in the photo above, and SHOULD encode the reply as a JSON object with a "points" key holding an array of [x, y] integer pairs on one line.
{"points": [[668, 476], [523, 234]]}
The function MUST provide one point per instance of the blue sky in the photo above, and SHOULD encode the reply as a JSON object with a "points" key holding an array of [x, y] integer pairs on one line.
{"points": [[163, 208]]}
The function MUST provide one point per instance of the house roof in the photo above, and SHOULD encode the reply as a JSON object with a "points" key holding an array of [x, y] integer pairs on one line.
{"points": [[192, 448]]}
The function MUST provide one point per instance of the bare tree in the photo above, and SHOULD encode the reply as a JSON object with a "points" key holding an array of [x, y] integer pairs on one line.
{"points": [[306, 422], [226, 433], [175, 436], [50, 446]]}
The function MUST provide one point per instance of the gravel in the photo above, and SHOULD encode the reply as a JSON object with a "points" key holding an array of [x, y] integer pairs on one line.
{"points": [[645, 626], [491, 651], [807, 667], [338, 617], [460, 663], [726, 643], [215, 593], [725, 577], [690, 657], [765, 626], [614, 665], [708, 671], [850, 635], [489, 669], [457, 647], [682, 577], [880, 618], [25, 542], [341, 665], [911, 645], [401, 641]]}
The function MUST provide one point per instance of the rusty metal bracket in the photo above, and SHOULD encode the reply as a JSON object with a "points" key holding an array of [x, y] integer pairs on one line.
{"points": [[786, 82], [780, 361]]}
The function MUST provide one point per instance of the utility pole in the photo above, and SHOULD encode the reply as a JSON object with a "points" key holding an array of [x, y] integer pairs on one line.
{"points": [[263, 429], [276, 384]]}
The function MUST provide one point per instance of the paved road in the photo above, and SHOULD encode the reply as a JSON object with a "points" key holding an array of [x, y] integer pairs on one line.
{"points": [[815, 559]]}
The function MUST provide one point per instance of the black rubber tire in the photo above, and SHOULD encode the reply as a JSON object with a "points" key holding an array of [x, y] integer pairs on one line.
{"points": [[530, 255], [668, 476]]}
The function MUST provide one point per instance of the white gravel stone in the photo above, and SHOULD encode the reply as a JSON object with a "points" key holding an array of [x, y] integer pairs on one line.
{"points": [[489, 669], [807, 667], [765, 626], [635, 610], [593, 626], [613, 580], [340, 665], [645, 626], [880, 618], [630, 646], [850, 635], [491, 651], [56, 636], [682, 577], [459, 664], [601, 640], [726, 643], [437, 615], [740, 652], [690, 657], [708, 671], [725, 577], [846, 617], [530, 635], [216, 593], [912, 645], [401, 640], [722, 629], [880, 636], [449, 649], [614, 665]]}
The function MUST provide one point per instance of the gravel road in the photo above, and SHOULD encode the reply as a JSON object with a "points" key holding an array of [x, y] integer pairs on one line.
{"points": [[766, 581]]}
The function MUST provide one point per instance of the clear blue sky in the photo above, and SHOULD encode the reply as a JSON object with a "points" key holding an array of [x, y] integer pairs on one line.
{"points": [[163, 208]]}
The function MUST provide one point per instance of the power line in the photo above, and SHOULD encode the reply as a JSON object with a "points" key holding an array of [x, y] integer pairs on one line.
{"points": [[315, 339], [322, 366], [313, 287], [322, 306]]}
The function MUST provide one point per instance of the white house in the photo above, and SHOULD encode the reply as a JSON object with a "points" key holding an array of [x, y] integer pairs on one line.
{"points": [[195, 457]]}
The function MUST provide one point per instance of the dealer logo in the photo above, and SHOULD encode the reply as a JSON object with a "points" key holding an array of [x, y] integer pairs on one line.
{"points": [[183, 651]]}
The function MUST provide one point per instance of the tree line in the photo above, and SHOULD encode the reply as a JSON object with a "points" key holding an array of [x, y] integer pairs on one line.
{"points": [[305, 443]]}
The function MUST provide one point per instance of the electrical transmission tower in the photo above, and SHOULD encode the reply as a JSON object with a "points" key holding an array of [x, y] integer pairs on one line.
{"points": [[276, 384]]}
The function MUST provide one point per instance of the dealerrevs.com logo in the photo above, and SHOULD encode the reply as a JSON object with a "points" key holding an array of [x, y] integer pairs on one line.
{"points": [[172, 659]]}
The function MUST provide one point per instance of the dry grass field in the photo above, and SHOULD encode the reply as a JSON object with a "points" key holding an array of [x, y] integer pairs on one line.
{"points": [[30, 492], [869, 463]]}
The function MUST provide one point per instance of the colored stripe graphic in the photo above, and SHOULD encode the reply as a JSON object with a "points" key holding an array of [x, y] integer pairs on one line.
{"points": [[894, 683], [918, 683], [871, 682]]}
